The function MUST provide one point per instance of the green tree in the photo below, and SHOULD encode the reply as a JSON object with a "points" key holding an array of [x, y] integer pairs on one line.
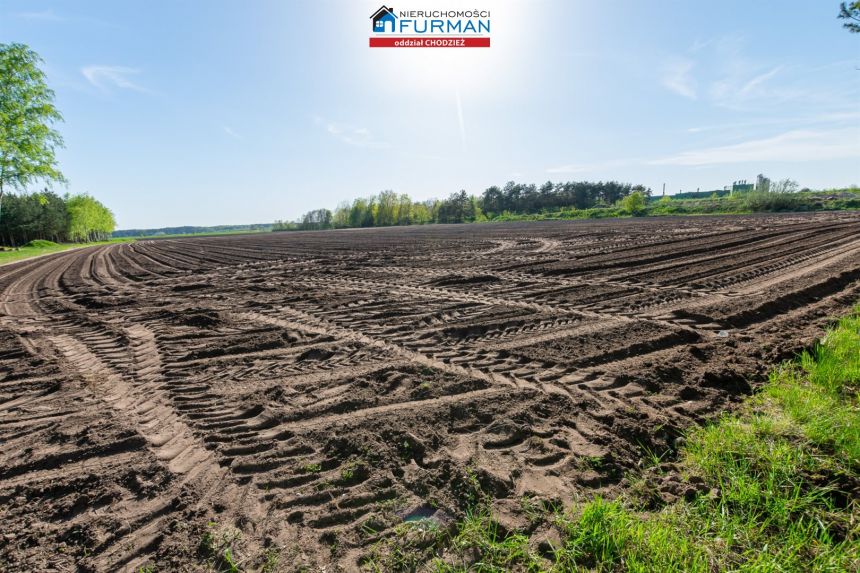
{"points": [[634, 203], [780, 196], [646, 191], [340, 220], [850, 11], [360, 212], [404, 210], [386, 209], [422, 213], [316, 220], [784, 186], [27, 112], [281, 225], [88, 219]]}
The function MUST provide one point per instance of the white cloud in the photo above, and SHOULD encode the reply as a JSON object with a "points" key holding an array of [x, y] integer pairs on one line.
{"points": [[349, 134], [797, 145], [719, 72], [813, 120], [44, 15], [232, 133], [108, 77], [760, 79], [572, 168], [590, 167], [746, 86], [677, 77], [700, 44], [50, 15]]}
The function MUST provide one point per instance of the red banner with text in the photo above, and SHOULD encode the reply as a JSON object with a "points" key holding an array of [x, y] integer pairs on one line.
{"points": [[429, 42]]}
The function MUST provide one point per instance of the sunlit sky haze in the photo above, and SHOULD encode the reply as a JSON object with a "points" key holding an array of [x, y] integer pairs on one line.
{"points": [[222, 112]]}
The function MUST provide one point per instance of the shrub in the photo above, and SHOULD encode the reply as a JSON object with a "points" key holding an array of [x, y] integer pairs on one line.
{"points": [[770, 201], [41, 244], [634, 203]]}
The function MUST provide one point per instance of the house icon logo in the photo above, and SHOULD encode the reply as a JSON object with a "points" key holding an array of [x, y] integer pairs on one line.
{"points": [[381, 17]]}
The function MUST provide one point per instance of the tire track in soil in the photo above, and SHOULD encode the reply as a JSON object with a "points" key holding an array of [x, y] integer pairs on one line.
{"points": [[124, 374], [232, 363]]}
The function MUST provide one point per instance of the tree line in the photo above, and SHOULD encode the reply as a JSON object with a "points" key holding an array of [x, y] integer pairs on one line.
{"points": [[48, 216], [193, 230], [28, 144], [519, 198], [391, 209]]}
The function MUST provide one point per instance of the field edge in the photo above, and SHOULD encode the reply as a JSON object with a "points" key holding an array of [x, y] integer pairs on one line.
{"points": [[772, 485]]}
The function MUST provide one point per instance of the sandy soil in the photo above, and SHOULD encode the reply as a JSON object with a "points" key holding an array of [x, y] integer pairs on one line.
{"points": [[312, 390]]}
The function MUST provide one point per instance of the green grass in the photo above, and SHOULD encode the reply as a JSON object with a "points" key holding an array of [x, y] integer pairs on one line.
{"points": [[779, 481], [38, 248]]}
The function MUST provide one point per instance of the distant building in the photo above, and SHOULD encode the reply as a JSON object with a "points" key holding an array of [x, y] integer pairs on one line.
{"points": [[701, 194], [762, 183], [742, 186]]}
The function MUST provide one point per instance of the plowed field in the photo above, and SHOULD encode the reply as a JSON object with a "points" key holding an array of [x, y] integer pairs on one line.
{"points": [[313, 390]]}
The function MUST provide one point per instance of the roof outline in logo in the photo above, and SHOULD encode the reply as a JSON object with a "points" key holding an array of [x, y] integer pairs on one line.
{"points": [[385, 9]]}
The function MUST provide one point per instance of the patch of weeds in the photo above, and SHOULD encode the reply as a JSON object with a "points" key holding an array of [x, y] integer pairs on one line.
{"points": [[594, 462], [323, 485], [410, 545], [347, 473], [311, 468], [423, 390], [332, 540], [537, 510], [388, 507], [371, 454], [206, 547], [353, 471], [642, 491], [369, 528], [405, 449], [270, 560], [217, 547], [230, 563], [467, 490], [480, 535], [650, 457]]}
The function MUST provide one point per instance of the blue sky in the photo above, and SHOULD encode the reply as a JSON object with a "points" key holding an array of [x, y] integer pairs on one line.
{"points": [[217, 112]]}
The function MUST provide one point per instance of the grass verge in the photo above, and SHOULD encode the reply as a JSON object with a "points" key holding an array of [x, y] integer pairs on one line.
{"points": [[39, 248], [777, 488]]}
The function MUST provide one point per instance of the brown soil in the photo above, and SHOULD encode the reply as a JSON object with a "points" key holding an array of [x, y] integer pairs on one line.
{"points": [[313, 390]]}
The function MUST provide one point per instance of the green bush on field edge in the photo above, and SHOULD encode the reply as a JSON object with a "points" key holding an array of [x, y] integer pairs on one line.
{"points": [[41, 244]]}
